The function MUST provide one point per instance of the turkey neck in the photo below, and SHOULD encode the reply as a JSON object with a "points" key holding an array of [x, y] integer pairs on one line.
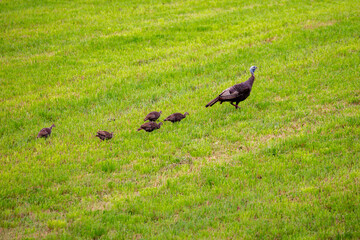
{"points": [[250, 81]]}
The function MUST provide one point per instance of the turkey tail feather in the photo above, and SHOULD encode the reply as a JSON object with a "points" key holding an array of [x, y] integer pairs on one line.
{"points": [[212, 102]]}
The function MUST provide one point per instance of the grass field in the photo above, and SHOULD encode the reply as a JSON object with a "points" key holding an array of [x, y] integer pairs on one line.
{"points": [[284, 166]]}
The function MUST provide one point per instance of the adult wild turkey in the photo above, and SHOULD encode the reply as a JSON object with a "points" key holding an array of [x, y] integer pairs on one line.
{"points": [[45, 132], [153, 116], [150, 126], [236, 93], [104, 135], [176, 117]]}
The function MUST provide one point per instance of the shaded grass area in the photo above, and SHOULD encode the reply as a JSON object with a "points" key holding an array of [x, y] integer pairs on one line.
{"points": [[286, 164]]}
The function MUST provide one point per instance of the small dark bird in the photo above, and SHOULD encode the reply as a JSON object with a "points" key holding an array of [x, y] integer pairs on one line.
{"points": [[236, 93], [45, 132], [150, 126], [176, 117], [104, 135], [153, 116]]}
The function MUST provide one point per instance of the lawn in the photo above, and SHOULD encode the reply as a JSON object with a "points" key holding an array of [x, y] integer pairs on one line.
{"points": [[284, 166]]}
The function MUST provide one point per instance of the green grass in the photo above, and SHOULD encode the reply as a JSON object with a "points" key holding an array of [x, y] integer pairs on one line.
{"points": [[284, 166]]}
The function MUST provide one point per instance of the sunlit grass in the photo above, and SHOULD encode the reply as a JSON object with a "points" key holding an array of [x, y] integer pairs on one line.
{"points": [[283, 166]]}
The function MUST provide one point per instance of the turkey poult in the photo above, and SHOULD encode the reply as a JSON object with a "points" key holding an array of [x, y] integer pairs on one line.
{"points": [[236, 93], [45, 132], [150, 126], [153, 116], [104, 135], [176, 117]]}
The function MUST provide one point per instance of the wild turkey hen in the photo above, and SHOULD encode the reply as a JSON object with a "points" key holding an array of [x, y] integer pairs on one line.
{"points": [[150, 126], [104, 135], [236, 93], [153, 116], [176, 117], [45, 132]]}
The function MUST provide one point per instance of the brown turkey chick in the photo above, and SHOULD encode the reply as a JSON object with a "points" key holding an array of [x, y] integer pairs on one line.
{"points": [[104, 135], [153, 116], [176, 117], [150, 126], [45, 132]]}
